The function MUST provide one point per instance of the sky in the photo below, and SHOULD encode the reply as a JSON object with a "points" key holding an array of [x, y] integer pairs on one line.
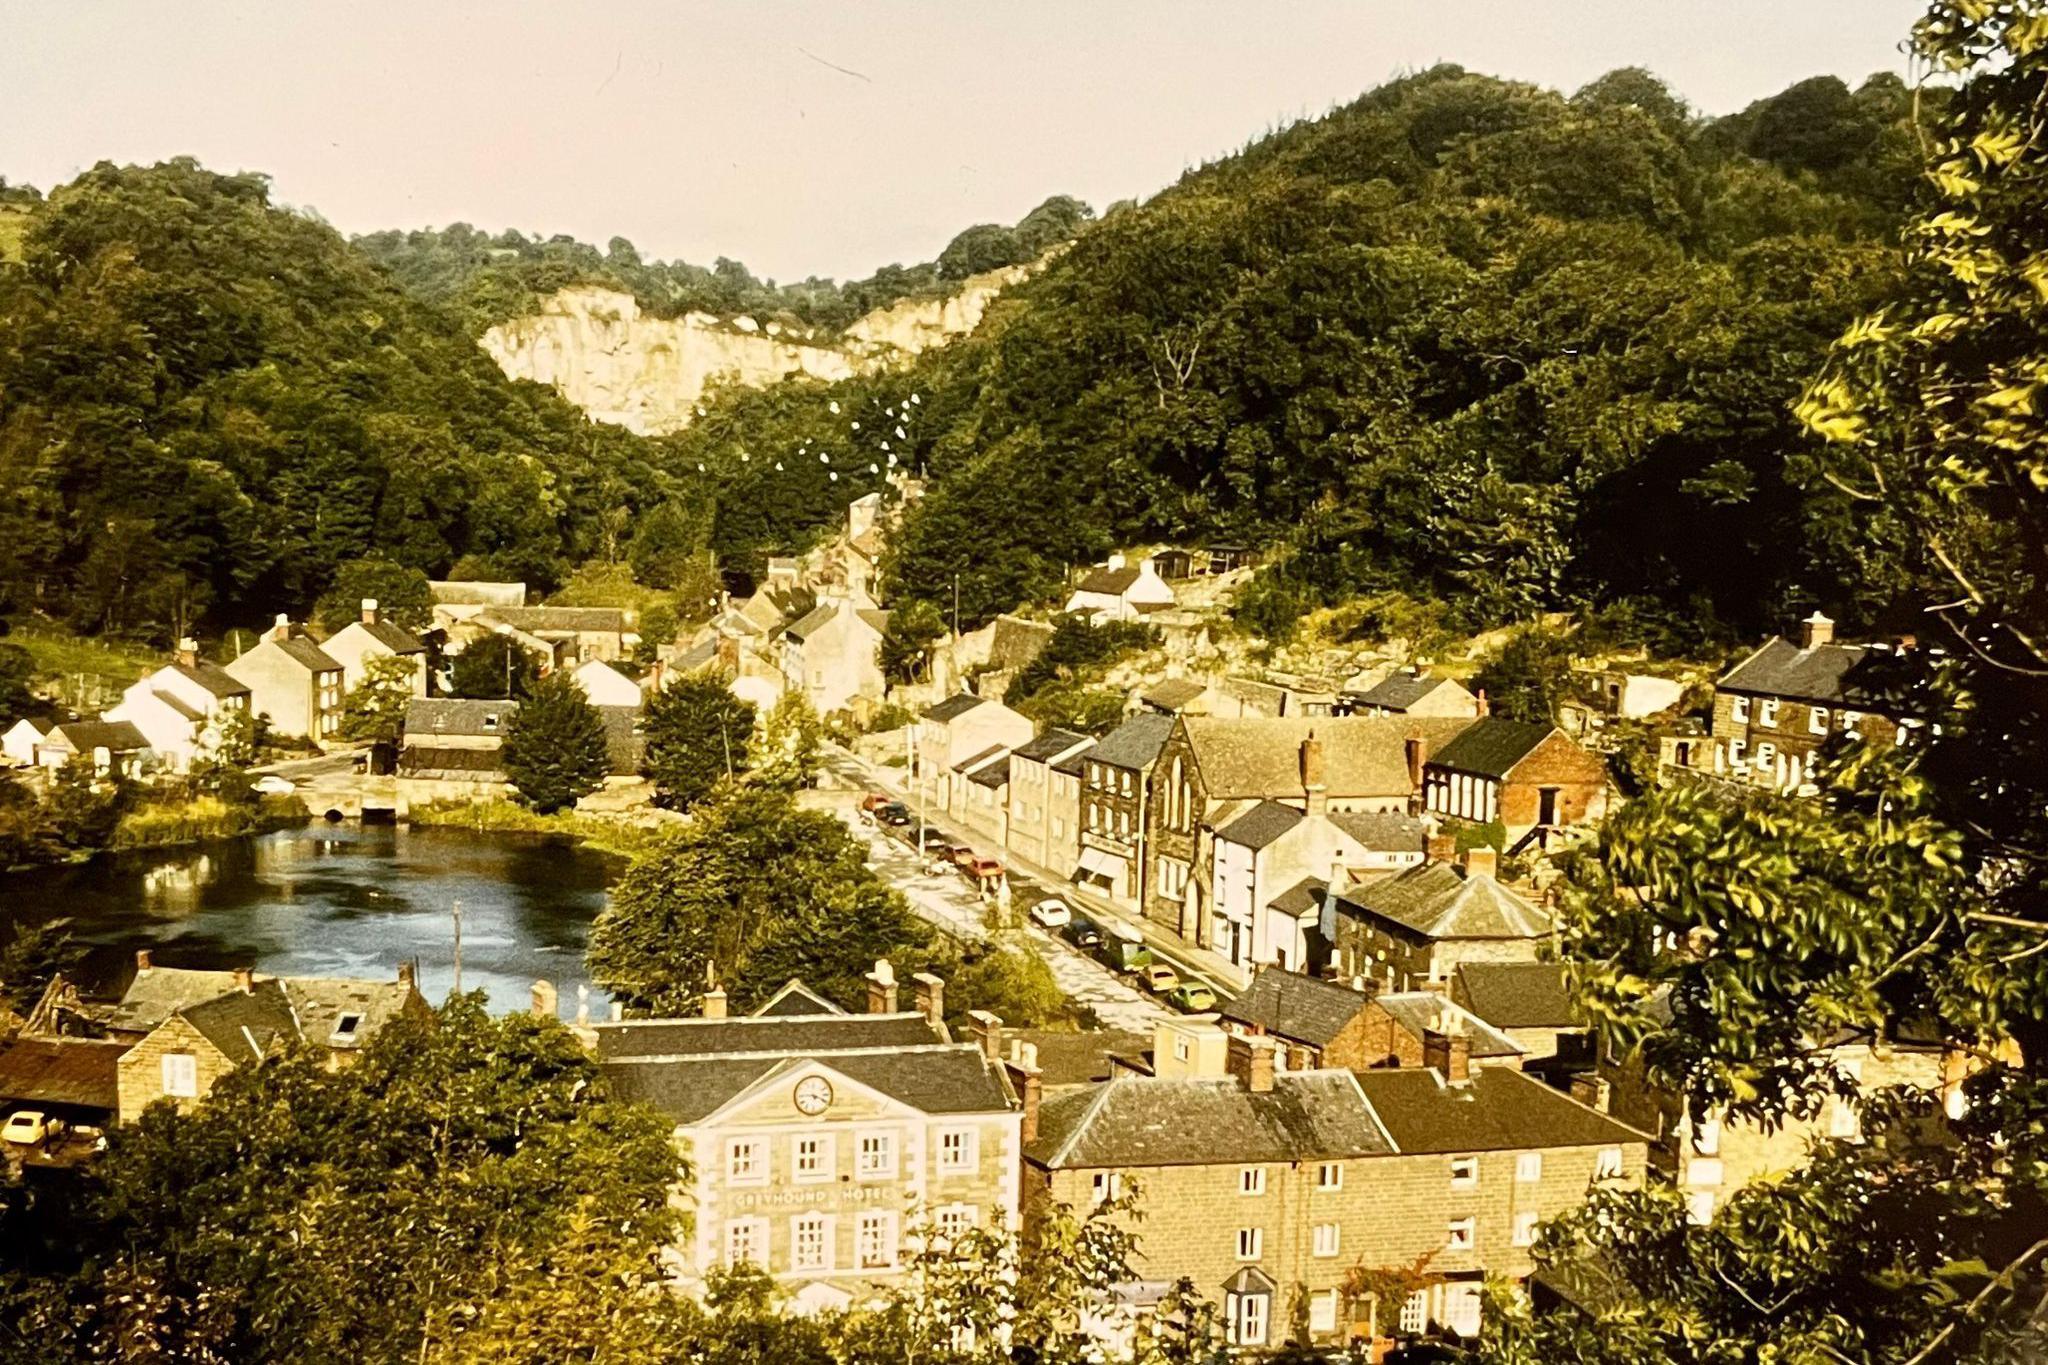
{"points": [[828, 137]]}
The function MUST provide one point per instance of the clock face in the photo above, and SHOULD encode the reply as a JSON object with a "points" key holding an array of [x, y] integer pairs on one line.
{"points": [[813, 1094]]}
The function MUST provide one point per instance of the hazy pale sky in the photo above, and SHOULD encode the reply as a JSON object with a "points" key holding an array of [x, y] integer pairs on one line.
{"points": [[803, 138]]}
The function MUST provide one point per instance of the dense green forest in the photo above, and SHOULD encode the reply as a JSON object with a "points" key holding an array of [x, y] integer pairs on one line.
{"points": [[487, 277], [1464, 337]]}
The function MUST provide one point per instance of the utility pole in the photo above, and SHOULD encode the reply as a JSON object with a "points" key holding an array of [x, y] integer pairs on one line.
{"points": [[916, 790], [956, 611], [458, 947]]}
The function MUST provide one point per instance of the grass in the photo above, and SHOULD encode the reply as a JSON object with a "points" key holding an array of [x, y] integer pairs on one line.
{"points": [[161, 824], [59, 653], [603, 833]]}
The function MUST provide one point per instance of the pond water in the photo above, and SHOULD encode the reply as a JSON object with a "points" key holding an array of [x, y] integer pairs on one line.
{"points": [[339, 900]]}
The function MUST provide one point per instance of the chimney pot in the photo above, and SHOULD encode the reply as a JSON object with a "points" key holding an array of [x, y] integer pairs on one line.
{"points": [[1816, 630], [188, 652], [245, 980], [544, 1001], [369, 611], [882, 988], [1029, 1084], [931, 997], [281, 628], [714, 1003], [1314, 788], [1417, 750], [987, 1029], [1484, 710], [142, 959], [1450, 1055]]}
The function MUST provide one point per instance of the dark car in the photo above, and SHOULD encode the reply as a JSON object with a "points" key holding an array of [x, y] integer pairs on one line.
{"points": [[1082, 933], [895, 813]]}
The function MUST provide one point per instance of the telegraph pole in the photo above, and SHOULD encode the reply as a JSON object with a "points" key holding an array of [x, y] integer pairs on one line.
{"points": [[458, 947]]}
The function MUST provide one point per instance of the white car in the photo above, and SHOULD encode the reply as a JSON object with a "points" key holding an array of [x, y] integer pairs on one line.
{"points": [[26, 1128], [270, 784], [1051, 913]]}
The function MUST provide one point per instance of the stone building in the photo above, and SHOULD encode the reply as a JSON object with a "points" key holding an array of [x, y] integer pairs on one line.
{"points": [[1777, 709], [1315, 1023], [1413, 929], [181, 707], [1270, 1189], [1528, 778], [1045, 799], [833, 654], [371, 636], [293, 682], [1411, 692], [1116, 775], [823, 1143], [1531, 1002], [952, 733]]}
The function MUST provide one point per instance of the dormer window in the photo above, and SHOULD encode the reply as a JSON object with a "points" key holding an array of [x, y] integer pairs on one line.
{"points": [[491, 722], [346, 1029]]}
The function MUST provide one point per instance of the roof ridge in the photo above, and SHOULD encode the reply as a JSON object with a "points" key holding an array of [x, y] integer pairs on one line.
{"points": [[1087, 1119]]}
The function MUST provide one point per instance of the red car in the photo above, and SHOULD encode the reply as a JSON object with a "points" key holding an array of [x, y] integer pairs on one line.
{"points": [[873, 802]]}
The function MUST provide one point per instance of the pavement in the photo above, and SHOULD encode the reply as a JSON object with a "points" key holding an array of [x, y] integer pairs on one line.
{"points": [[947, 899]]}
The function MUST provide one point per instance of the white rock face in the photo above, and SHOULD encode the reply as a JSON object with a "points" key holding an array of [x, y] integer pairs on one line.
{"points": [[593, 346]]}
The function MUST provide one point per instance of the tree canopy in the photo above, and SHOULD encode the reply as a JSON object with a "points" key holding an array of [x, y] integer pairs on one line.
{"points": [[555, 746]]}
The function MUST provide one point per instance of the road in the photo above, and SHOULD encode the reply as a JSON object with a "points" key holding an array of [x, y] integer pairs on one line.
{"points": [[947, 899]]}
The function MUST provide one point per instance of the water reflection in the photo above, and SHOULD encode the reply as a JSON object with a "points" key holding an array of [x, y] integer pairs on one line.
{"points": [[341, 901]]}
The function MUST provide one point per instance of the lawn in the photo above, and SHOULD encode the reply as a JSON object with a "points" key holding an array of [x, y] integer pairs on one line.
{"points": [[59, 653]]}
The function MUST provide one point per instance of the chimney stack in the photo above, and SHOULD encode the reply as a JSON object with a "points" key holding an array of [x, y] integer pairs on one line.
{"points": [[1443, 848], [882, 988], [369, 611], [714, 1003], [1417, 750], [1590, 1090], [1029, 1083], [281, 629], [1816, 630], [1484, 709], [544, 1003], [245, 980], [988, 1033], [405, 974], [1449, 1054], [188, 653], [1315, 790], [931, 997], [1251, 1061], [142, 962], [1481, 862]]}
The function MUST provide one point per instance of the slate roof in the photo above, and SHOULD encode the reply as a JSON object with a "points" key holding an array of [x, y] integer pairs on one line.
{"points": [[1260, 824], [320, 1003], [1518, 994], [1174, 693], [1383, 831], [817, 618], [1305, 897], [117, 736], [953, 1078], [64, 1071], [601, 620], [795, 1000], [158, 993], [1826, 673], [1302, 1009], [246, 1026], [1204, 1121], [1437, 900], [468, 592], [212, 677], [427, 717], [992, 774], [1046, 746], [1255, 756], [1134, 744], [395, 638], [953, 707], [307, 655], [1073, 763], [973, 761], [763, 1034], [1401, 690], [1069, 1057], [171, 700], [1109, 582], [1421, 1012], [1498, 1109], [1491, 746]]}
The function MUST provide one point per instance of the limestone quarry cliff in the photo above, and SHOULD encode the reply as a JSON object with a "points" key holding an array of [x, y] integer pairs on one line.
{"points": [[596, 348]]}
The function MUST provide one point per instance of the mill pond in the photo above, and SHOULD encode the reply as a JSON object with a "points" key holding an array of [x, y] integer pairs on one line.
{"points": [[338, 900]]}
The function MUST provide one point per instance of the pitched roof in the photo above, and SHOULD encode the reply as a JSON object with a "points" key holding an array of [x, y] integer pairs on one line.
{"points": [[1303, 1009], [1400, 690], [1049, 745], [426, 717], [602, 620], [993, 773], [1255, 756], [304, 653], [1174, 693], [471, 592], [1423, 1012], [951, 1078], [212, 677], [1491, 746], [1260, 824], [817, 618], [1829, 673], [953, 707], [1437, 900], [974, 761], [1518, 994], [1068, 1057], [1134, 744], [248, 1025], [1383, 831], [1305, 897], [322, 1003], [1109, 582], [1498, 1109], [118, 736], [796, 1000], [66, 1071], [760, 1034], [1206, 1120], [393, 637], [172, 700], [157, 993], [1072, 764]]}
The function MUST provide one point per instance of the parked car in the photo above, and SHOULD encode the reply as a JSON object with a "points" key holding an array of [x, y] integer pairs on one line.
{"points": [[982, 869], [1122, 949], [1082, 933], [874, 801], [270, 784], [1158, 978], [1051, 913], [28, 1128], [963, 856], [894, 813], [1192, 997]]}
